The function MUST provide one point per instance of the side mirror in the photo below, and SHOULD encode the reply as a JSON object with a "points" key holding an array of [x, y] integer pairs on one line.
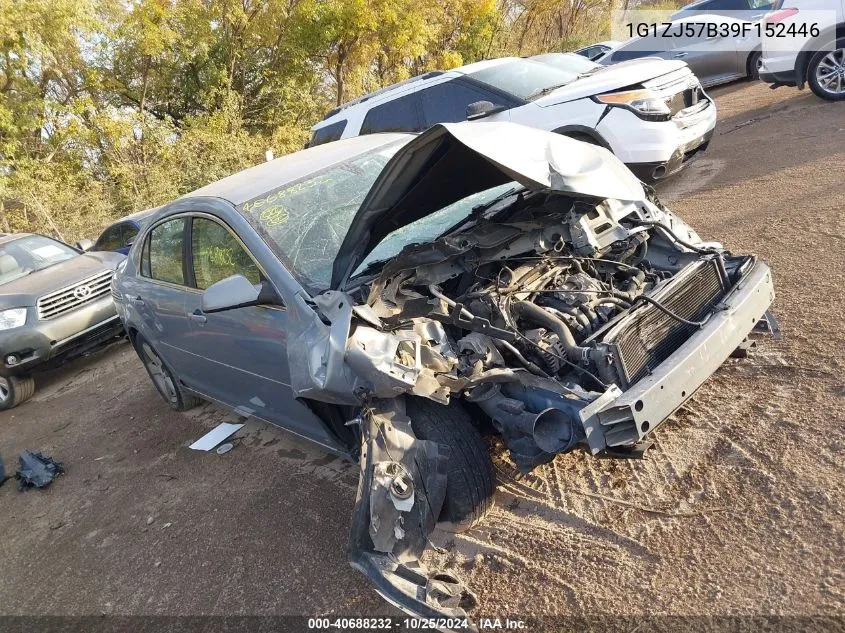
{"points": [[84, 245], [481, 109], [237, 292]]}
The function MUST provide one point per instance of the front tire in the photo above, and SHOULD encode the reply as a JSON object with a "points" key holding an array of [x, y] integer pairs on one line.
{"points": [[470, 483], [165, 382], [15, 390], [826, 73]]}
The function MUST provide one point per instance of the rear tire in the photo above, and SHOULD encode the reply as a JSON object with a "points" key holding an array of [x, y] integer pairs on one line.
{"points": [[821, 64], [754, 62], [164, 380], [470, 483], [15, 390]]}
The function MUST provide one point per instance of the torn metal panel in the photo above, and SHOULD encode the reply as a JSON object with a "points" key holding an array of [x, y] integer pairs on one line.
{"points": [[400, 494]]}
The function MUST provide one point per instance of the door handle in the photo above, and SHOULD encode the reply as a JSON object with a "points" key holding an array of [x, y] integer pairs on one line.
{"points": [[197, 317], [681, 54]]}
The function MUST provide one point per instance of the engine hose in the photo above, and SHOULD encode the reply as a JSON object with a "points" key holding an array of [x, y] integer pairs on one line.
{"points": [[534, 369], [633, 284], [582, 321], [591, 315], [542, 317], [617, 301]]}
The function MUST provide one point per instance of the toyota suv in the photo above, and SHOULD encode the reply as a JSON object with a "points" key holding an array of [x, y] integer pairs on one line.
{"points": [[652, 114], [55, 304]]}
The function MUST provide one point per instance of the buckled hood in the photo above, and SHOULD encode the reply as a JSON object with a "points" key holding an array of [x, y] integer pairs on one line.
{"points": [[451, 161]]}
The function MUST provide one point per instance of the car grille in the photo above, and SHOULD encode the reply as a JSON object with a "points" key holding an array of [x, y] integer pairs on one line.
{"points": [[651, 335], [70, 298]]}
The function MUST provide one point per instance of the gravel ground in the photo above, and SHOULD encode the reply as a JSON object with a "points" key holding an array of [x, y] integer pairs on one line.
{"points": [[737, 510]]}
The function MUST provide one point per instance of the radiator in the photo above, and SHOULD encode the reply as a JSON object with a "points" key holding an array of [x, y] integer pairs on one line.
{"points": [[649, 336]]}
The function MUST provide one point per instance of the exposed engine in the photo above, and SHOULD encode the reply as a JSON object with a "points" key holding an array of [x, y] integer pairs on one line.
{"points": [[534, 317]]}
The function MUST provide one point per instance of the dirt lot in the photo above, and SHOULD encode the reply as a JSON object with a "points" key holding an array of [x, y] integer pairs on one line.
{"points": [[737, 510]]}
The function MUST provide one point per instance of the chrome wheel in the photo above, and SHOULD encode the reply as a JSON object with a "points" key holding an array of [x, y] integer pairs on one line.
{"points": [[158, 372], [4, 389], [830, 72]]}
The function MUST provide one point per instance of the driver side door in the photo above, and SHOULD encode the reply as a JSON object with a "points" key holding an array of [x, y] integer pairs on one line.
{"points": [[239, 356]]}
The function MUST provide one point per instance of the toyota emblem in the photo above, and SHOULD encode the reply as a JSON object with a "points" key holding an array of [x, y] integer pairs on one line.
{"points": [[83, 292]]}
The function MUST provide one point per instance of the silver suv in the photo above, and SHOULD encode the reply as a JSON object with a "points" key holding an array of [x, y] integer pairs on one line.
{"points": [[55, 304]]}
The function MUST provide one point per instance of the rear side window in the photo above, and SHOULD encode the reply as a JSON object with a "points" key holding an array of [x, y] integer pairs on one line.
{"points": [[328, 133], [217, 255], [447, 102], [161, 258], [399, 115]]}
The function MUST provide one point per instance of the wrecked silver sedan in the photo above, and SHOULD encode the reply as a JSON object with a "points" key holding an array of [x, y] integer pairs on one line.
{"points": [[388, 295]]}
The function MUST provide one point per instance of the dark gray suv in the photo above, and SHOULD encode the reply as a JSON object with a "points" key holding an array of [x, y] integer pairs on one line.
{"points": [[55, 304]]}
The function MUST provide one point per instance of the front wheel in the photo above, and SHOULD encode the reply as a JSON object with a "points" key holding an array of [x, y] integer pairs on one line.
{"points": [[826, 73], [14, 390], [164, 380], [470, 482]]}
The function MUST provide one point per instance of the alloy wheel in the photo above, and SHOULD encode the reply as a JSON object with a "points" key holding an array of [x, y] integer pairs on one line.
{"points": [[830, 72], [4, 389], [158, 372]]}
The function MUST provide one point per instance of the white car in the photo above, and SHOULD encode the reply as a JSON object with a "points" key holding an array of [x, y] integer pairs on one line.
{"points": [[652, 114], [819, 60]]}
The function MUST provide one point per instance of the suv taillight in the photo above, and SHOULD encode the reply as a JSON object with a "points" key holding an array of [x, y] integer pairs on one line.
{"points": [[780, 15]]}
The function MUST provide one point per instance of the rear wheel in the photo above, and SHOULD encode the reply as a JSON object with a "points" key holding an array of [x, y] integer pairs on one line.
{"points": [[470, 481], [826, 73], [14, 390], [755, 61], [164, 380]]}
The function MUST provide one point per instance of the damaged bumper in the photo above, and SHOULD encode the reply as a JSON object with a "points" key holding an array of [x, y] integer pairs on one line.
{"points": [[638, 411]]}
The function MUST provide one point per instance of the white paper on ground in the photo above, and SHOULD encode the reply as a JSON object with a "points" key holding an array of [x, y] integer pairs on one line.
{"points": [[215, 436]]}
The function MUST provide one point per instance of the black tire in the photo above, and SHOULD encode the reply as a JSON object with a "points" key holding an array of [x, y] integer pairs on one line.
{"points": [[813, 72], [471, 483], [164, 380], [15, 390], [754, 61]]}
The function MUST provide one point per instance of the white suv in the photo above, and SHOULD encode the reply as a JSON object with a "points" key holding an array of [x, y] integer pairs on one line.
{"points": [[819, 60], [652, 114]]}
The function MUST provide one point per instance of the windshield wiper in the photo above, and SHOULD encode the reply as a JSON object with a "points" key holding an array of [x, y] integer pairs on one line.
{"points": [[547, 90]]}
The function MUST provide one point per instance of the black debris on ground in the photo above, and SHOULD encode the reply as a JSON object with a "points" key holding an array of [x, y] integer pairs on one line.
{"points": [[36, 470]]}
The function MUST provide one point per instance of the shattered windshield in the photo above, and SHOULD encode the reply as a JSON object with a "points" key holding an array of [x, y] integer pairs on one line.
{"points": [[304, 222]]}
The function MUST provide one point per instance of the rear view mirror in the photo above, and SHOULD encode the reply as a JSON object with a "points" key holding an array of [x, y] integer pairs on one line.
{"points": [[237, 292], [84, 245], [481, 109]]}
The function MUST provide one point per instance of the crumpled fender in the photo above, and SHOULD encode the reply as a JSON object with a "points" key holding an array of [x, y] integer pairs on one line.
{"points": [[400, 494]]}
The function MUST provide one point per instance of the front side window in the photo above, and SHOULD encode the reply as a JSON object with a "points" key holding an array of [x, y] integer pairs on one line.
{"points": [[524, 78], [447, 102], [25, 255], [304, 222], [163, 251], [217, 255], [328, 133], [398, 115]]}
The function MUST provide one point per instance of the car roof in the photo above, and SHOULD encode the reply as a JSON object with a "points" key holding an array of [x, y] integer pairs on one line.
{"points": [[254, 181]]}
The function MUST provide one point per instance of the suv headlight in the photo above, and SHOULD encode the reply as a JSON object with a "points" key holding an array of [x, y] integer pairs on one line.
{"points": [[645, 103], [13, 318]]}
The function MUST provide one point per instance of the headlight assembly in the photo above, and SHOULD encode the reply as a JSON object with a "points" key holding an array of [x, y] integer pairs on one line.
{"points": [[644, 103], [13, 318]]}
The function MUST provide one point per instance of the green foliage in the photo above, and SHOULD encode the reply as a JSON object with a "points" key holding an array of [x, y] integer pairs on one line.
{"points": [[109, 107]]}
